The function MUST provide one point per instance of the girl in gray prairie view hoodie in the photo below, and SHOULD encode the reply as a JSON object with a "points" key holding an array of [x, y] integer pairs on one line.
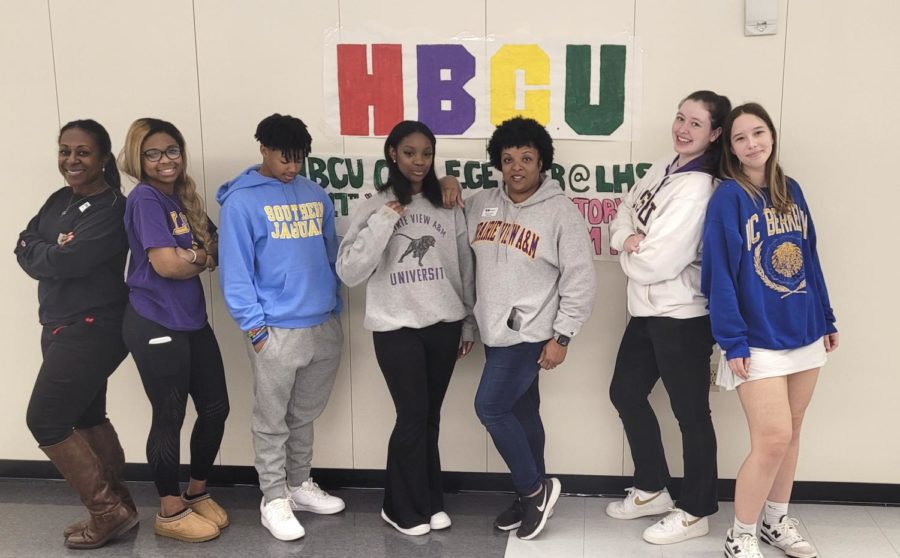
{"points": [[534, 282]]}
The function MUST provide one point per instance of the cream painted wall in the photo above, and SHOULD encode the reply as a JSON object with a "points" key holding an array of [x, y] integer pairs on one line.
{"points": [[216, 67]]}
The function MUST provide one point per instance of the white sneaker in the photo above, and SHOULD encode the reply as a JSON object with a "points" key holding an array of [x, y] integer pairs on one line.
{"points": [[633, 506], [744, 546], [784, 535], [676, 527], [439, 521], [422, 529], [309, 497], [278, 518]]}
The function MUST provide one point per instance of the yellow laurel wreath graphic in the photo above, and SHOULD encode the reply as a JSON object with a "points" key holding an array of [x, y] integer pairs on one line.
{"points": [[757, 265]]}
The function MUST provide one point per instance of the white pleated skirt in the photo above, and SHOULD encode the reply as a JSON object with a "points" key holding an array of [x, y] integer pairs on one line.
{"points": [[768, 363]]}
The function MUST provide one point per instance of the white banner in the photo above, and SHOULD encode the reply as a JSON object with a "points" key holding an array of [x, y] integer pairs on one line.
{"points": [[595, 188]]}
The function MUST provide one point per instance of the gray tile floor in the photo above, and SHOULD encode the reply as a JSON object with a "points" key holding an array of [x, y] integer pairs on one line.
{"points": [[33, 513], [581, 529]]}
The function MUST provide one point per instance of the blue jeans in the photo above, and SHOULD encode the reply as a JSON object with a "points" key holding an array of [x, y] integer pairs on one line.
{"points": [[508, 405]]}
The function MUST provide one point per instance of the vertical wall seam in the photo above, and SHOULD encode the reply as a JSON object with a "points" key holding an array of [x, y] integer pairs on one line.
{"points": [[211, 307], [787, 12], [634, 23], [208, 281], [346, 305], [487, 438], [53, 65]]}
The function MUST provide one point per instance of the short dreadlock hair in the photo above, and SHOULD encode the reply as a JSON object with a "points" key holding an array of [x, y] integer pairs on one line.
{"points": [[286, 134]]}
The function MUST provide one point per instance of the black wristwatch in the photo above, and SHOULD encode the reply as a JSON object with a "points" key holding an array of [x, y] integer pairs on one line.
{"points": [[563, 340]]}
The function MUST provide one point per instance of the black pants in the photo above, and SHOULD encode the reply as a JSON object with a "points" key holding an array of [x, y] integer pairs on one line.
{"points": [[677, 351], [417, 365], [70, 390], [173, 365]]}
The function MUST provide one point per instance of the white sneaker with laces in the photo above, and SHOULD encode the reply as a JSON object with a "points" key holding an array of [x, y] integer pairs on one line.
{"points": [[677, 526], [784, 535], [278, 518], [744, 546], [633, 506], [309, 497], [439, 521]]}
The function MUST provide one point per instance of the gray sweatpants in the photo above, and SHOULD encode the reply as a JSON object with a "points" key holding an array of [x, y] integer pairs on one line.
{"points": [[293, 376]]}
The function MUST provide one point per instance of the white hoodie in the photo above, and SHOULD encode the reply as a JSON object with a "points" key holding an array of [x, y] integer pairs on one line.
{"points": [[534, 272], [664, 276]]}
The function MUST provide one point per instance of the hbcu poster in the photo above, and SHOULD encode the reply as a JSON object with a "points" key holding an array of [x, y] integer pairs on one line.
{"points": [[465, 87]]}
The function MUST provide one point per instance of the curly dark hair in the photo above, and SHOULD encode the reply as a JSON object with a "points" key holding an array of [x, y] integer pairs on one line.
{"points": [[285, 133], [521, 132]]}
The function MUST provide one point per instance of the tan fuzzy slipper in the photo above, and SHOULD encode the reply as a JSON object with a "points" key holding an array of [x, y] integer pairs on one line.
{"points": [[208, 508], [187, 526]]}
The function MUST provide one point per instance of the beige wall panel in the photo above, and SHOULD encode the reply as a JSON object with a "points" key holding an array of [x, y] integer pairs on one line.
{"points": [[463, 439], [247, 72], [829, 77], [116, 62], [690, 45], [696, 44], [373, 411], [119, 61], [333, 442], [838, 136], [237, 445], [583, 432], [582, 438], [731, 432], [28, 153]]}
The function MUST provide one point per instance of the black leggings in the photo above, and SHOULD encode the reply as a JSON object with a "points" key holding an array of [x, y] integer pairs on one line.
{"points": [[70, 390], [173, 365]]}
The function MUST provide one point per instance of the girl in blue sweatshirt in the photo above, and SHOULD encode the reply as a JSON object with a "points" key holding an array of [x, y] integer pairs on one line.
{"points": [[771, 316]]}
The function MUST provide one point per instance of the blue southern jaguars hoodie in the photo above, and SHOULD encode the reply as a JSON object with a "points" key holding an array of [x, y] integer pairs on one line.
{"points": [[277, 248]]}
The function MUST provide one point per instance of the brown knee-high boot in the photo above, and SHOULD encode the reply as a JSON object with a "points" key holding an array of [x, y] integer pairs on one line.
{"points": [[82, 469], [105, 443]]}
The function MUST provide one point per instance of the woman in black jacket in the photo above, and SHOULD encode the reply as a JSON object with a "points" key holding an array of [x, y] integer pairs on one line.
{"points": [[76, 248]]}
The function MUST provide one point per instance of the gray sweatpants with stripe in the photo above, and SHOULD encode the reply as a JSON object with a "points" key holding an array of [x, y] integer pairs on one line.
{"points": [[293, 377]]}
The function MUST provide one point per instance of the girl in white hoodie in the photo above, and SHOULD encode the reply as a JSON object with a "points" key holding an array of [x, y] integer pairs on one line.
{"points": [[658, 230]]}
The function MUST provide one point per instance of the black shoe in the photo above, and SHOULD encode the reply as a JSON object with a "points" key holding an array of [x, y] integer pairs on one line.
{"points": [[510, 518], [537, 509]]}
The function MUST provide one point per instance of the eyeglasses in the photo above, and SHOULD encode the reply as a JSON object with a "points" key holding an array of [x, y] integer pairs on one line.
{"points": [[154, 155]]}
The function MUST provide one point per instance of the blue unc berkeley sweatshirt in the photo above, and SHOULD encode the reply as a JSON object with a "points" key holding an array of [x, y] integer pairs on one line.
{"points": [[277, 246], [761, 273]]}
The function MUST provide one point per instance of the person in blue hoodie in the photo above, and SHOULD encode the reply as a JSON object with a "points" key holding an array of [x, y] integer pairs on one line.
{"points": [[278, 246], [771, 316]]}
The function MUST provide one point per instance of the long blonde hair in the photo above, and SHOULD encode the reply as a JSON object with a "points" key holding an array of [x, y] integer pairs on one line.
{"points": [[775, 178], [185, 187]]}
